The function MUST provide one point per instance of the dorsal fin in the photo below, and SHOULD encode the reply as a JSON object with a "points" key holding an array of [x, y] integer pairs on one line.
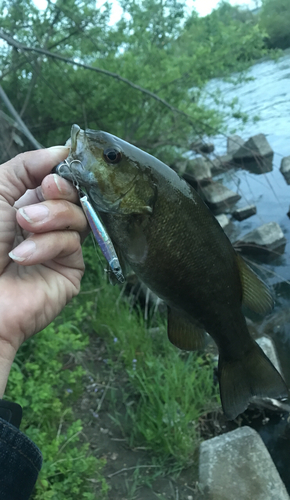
{"points": [[183, 333], [256, 294]]}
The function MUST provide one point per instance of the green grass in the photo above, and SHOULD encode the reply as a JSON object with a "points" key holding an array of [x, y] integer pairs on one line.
{"points": [[167, 391], [46, 381]]}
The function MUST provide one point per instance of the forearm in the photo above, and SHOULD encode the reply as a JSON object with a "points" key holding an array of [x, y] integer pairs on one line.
{"points": [[7, 355]]}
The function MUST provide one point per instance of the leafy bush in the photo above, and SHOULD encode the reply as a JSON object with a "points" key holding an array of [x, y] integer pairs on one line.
{"points": [[46, 388], [275, 20]]}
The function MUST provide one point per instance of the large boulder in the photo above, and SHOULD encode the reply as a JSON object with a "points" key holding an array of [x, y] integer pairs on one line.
{"points": [[255, 155], [267, 239], [234, 143], [285, 168], [238, 466], [219, 197]]}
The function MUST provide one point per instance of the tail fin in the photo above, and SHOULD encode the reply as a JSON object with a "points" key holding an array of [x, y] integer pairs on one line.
{"points": [[242, 379]]}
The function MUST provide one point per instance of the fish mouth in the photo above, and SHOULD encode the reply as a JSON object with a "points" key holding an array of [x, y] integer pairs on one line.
{"points": [[75, 130]]}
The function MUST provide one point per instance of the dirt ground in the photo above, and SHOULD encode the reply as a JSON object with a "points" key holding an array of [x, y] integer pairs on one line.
{"points": [[129, 472]]}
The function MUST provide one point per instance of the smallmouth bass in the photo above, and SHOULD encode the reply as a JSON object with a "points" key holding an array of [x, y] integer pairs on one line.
{"points": [[162, 229]]}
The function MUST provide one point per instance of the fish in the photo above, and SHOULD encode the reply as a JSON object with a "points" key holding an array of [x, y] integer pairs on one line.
{"points": [[161, 229]]}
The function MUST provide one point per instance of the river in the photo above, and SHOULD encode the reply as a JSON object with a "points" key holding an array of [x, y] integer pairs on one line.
{"points": [[266, 95]]}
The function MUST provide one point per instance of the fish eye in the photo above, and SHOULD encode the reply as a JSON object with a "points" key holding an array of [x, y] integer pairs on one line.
{"points": [[112, 155]]}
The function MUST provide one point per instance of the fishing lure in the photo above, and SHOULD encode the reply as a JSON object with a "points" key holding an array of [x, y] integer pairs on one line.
{"points": [[101, 236]]}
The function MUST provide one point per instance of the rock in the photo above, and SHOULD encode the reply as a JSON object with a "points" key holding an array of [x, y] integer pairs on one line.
{"points": [[223, 220], [202, 147], [245, 212], [238, 466], [285, 168], [218, 196], [179, 165], [264, 240], [222, 163], [199, 169], [267, 344], [234, 142], [255, 155]]}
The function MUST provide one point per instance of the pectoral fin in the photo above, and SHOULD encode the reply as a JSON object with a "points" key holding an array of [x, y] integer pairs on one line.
{"points": [[256, 294], [183, 333]]}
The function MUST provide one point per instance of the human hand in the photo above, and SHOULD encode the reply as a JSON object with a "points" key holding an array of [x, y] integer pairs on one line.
{"points": [[40, 226]]}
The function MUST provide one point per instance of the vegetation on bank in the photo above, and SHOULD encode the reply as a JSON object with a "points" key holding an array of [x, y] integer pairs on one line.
{"points": [[155, 45], [274, 19], [169, 390]]}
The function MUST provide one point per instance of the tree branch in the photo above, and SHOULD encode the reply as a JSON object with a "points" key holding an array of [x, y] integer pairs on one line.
{"points": [[21, 124], [19, 46]]}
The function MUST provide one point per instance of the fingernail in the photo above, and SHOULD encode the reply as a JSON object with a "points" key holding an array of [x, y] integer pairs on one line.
{"points": [[23, 251], [34, 213], [60, 148], [64, 187], [56, 180]]}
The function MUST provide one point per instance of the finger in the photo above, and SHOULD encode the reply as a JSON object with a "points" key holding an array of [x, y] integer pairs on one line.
{"points": [[31, 196], [27, 170], [52, 215], [53, 187], [41, 248]]}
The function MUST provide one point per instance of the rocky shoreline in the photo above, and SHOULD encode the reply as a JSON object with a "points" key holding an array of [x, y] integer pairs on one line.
{"points": [[254, 155], [236, 465]]}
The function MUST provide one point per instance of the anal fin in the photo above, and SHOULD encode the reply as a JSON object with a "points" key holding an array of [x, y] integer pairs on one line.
{"points": [[183, 333]]}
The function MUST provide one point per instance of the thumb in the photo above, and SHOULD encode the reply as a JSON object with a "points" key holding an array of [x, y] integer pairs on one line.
{"points": [[27, 170]]}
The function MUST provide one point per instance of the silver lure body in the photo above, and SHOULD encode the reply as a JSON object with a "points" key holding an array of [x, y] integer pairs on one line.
{"points": [[102, 238]]}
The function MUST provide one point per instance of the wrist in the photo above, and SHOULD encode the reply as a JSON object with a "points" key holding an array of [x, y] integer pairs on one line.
{"points": [[7, 355]]}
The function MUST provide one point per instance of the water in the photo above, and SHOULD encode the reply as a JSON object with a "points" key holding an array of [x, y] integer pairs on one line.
{"points": [[266, 96]]}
